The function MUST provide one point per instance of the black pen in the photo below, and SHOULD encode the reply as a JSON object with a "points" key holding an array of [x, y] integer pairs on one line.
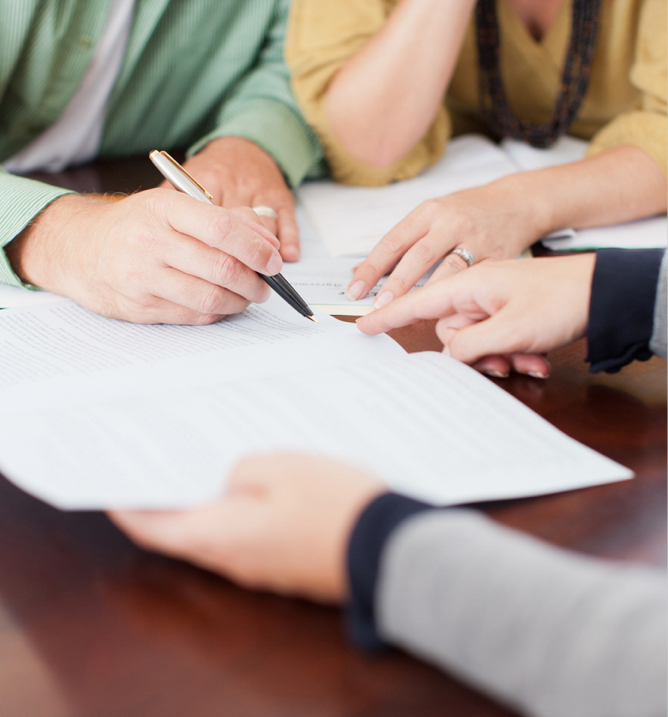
{"points": [[174, 173]]}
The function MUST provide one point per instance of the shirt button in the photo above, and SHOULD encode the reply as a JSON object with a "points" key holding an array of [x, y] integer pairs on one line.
{"points": [[85, 42]]}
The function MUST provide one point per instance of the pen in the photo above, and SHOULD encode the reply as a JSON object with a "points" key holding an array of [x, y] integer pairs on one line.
{"points": [[174, 173]]}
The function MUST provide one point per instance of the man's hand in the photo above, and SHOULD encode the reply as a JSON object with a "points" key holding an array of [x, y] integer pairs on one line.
{"points": [[153, 257], [283, 525], [237, 173], [500, 315]]}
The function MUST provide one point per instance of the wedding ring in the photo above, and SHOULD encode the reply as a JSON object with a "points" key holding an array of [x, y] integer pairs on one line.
{"points": [[464, 254], [262, 210]]}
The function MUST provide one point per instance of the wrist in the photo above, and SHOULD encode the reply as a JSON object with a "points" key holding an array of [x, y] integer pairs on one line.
{"points": [[368, 538], [522, 195], [229, 144], [31, 252], [581, 269], [622, 307]]}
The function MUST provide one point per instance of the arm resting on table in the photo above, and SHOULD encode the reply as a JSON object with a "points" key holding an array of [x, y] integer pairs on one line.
{"points": [[542, 630]]}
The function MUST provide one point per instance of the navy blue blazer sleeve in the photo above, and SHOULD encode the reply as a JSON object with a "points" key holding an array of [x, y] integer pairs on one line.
{"points": [[621, 312]]}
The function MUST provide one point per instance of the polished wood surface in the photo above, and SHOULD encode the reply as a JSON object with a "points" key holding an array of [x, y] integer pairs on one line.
{"points": [[91, 626]]}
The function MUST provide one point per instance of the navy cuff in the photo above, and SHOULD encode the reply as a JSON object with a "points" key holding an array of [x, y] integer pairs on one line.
{"points": [[621, 312], [365, 548]]}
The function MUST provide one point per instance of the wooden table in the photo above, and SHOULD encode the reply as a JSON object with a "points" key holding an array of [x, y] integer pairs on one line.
{"points": [[91, 626]]}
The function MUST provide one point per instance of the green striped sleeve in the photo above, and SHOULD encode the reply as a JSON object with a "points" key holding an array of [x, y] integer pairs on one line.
{"points": [[262, 109], [277, 129], [21, 200]]}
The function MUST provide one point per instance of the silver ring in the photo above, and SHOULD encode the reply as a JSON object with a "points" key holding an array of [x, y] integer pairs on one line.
{"points": [[262, 210], [464, 254]]}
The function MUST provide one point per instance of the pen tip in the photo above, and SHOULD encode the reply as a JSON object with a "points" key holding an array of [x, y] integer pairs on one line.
{"points": [[313, 319]]}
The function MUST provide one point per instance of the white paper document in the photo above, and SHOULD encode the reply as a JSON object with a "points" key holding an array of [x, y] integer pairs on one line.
{"points": [[650, 233], [100, 413], [322, 280]]}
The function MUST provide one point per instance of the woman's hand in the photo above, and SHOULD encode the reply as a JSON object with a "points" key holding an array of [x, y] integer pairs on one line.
{"points": [[500, 315], [491, 222], [283, 525], [499, 220]]}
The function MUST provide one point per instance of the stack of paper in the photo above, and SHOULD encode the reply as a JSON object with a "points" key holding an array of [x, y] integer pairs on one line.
{"points": [[100, 413]]}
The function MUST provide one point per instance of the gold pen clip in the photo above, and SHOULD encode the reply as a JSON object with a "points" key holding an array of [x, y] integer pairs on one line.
{"points": [[179, 167]]}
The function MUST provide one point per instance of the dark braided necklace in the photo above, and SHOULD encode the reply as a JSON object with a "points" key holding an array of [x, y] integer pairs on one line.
{"points": [[574, 79]]}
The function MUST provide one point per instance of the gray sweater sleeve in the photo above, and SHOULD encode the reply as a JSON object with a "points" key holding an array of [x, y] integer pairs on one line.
{"points": [[548, 632], [658, 341]]}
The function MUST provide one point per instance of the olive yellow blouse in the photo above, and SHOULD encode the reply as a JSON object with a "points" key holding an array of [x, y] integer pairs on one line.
{"points": [[625, 102]]}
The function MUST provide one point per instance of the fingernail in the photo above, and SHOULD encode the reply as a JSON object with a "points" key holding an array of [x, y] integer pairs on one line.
{"points": [[496, 374], [275, 265], [537, 374], [383, 299], [355, 290]]}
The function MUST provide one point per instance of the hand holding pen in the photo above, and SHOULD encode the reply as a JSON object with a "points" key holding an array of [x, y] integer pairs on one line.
{"points": [[181, 180]]}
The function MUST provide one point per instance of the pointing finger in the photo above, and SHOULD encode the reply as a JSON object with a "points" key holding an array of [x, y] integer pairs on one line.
{"points": [[429, 302]]}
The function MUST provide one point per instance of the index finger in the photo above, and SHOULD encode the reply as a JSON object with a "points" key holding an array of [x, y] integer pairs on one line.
{"points": [[384, 256], [230, 231], [432, 301]]}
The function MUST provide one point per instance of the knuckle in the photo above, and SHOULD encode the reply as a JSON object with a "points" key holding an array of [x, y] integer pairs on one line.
{"points": [[206, 177], [188, 317], [391, 244], [143, 303], [259, 252], [455, 263], [424, 253], [156, 201], [462, 222], [226, 270], [221, 224], [204, 319], [430, 209], [147, 237], [283, 200], [430, 205], [249, 214], [210, 301], [369, 269], [401, 285]]}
